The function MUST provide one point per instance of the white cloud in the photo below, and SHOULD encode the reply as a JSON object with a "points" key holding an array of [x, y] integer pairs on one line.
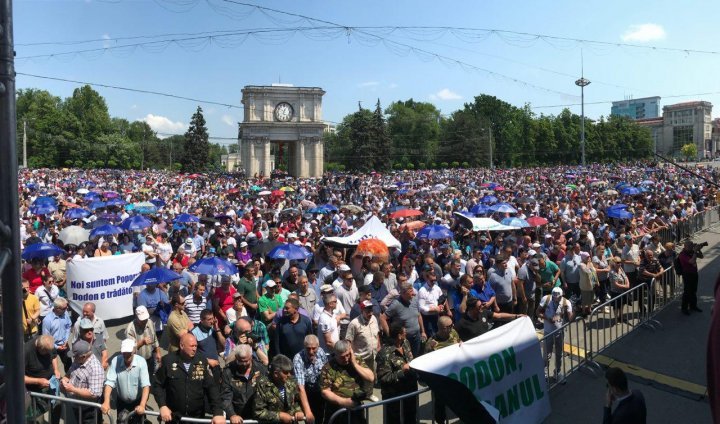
{"points": [[107, 42], [392, 85], [642, 33], [369, 84], [445, 94], [164, 125], [229, 120]]}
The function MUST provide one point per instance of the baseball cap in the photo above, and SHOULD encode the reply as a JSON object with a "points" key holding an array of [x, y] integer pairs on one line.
{"points": [[238, 294], [327, 288], [243, 244], [188, 241], [343, 268], [366, 304], [127, 346], [85, 324], [141, 313], [270, 283], [584, 255], [557, 290], [80, 347]]}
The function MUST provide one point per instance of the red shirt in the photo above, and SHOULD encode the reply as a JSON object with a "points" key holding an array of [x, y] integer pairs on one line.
{"points": [[224, 299], [35, 278]]}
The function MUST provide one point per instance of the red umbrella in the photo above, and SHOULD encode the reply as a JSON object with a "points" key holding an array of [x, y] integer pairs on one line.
{"points": [[499, 188], [404, 213], [536, 221], [278, 193], [233, 191]]}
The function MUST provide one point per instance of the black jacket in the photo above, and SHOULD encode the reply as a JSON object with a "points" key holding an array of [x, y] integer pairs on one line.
{"points": [[184, 391], [237, 391], [630, 410]]}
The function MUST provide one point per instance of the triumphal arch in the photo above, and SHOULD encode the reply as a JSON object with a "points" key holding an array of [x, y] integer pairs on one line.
{"points": [[282, 127]]}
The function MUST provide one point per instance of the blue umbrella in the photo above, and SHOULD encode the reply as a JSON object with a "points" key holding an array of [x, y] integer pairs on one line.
{"points": [[618, 186], [145, 208], [137, 222], [41, 250], [213, 266], [479, 209], [115, 202], [618, 206], [503, 207], [434, 232], [159, 203], [330, 207], [110, 195], [77, 213], [91, 196], [403, 191], [631, 191], [489, 199], [105, 230], [31, 186], [44, 200], [97, 205], [111, 217], [618, 213], [321, 210], [288, 251], [156, 275], [43, 209], [515, 222], [186, 217], [395, 209]]}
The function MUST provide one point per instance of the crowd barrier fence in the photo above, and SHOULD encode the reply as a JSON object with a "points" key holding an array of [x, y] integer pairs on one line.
{"points": [[364, 409], [45, 405], [182, 420]]}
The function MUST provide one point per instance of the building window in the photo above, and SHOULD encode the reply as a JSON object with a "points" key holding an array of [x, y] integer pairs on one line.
{"points": [[682, 135]]}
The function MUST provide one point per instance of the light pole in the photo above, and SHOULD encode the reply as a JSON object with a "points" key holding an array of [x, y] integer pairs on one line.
{"points": [[582, 82]]}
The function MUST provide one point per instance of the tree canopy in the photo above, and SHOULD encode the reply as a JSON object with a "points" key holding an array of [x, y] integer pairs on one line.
{"points": [[79, 132]]}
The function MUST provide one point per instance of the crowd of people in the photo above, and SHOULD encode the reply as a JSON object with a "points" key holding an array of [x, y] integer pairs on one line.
{"points": [[296, 340]]}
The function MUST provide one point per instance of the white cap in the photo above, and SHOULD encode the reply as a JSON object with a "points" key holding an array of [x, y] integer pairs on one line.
{"points": [[343, 268], [292, 235], [297, 243], [141, 313], [127, 346], [243, 244], [557, 290]]}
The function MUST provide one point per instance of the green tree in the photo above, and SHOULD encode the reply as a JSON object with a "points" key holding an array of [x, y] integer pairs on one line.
{"points": [[689, 151], [359, 133], [197, 147], [414, 128], [381, 146]]}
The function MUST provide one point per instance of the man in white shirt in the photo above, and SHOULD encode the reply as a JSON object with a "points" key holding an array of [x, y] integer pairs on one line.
{"points": [[430, 303], [328, 331], [347, 293]]}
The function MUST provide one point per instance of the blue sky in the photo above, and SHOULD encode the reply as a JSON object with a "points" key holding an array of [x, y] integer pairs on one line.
{"points": [[362, 67]]}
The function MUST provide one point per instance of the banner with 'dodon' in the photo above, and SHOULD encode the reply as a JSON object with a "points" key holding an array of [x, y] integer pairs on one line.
{"points": [[104, 281], [496, 377]]}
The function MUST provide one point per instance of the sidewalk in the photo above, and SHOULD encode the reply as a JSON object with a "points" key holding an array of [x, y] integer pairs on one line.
{"points": [[667, 365]]}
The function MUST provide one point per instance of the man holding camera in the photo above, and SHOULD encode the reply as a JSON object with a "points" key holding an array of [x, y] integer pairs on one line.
{"points": [[688, 263]]}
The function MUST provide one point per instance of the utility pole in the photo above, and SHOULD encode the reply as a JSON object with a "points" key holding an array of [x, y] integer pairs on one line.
{"points": [[24, 143], [13, 393], [582, 82]]}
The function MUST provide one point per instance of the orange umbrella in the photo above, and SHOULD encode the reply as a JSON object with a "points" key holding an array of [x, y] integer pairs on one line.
{"points": [[404, 213], [413, 225], [374, 248]]}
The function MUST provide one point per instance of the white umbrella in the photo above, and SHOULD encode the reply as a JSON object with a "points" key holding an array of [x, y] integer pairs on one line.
{"points": [[264, 193], [83, 191], [74, 234]]}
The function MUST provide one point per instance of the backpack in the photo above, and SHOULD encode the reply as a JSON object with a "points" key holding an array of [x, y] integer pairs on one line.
{"points": [[677, 265]]}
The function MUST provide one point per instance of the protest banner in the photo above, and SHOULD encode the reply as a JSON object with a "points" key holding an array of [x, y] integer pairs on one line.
{"points": [[502, 368], [105, 281]]}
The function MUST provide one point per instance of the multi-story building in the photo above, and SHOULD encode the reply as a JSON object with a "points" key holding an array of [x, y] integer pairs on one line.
{"points": [[645, 108], [683, 123]]}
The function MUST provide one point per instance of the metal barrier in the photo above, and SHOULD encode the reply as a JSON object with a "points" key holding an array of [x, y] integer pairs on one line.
{"points": [[611, 321], [568, 344], [66, 404], [182, 420], [365, 408]]}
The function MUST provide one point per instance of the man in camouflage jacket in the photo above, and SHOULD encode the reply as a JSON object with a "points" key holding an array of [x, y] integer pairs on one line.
{"points": [[341, 382], [277, 397]]}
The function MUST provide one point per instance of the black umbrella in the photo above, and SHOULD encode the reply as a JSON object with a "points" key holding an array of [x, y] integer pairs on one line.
{"points": [[265, 247]]}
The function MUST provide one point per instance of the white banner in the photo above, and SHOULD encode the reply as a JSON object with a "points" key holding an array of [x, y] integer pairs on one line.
{"points": [[503, 367], [373, 228], [105, 281]]}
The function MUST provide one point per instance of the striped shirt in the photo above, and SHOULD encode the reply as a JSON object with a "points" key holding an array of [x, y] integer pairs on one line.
{"points": [[89, 375], [193, 309]]}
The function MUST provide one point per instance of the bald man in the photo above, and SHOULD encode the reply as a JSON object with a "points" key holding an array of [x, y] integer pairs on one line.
{"points": [[181, 383]]}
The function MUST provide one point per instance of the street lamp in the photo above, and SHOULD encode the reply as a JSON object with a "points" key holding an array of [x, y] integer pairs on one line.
{"points": [[582, 82]]}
